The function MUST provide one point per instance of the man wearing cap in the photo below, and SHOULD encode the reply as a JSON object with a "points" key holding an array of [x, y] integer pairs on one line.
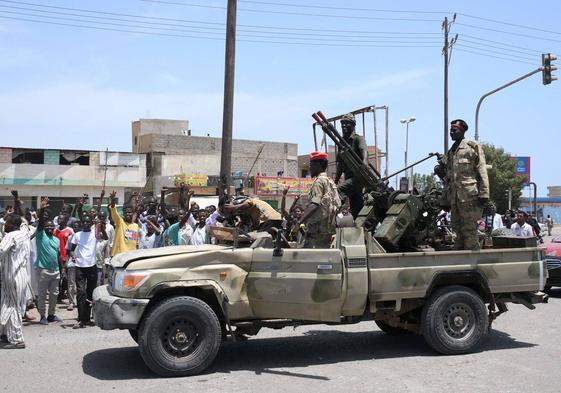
{"points": [[324, 203], [467, 185], [351, 187]]}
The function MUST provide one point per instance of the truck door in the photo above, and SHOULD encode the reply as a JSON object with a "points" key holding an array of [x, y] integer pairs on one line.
{"points": [[302, 284]]}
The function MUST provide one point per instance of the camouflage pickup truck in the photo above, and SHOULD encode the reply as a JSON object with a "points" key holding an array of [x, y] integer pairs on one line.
{"points": [[179, 303]]}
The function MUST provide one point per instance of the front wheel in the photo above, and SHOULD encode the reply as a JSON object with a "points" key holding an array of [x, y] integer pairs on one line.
{"points": [[454, 320], [179, 337]]}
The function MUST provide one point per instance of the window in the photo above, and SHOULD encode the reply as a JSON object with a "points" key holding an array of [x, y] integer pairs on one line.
{"points": [[74, 158], [27, 156]]}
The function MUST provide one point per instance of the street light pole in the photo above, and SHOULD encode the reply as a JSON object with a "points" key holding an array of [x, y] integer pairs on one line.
{"points": [[406, 122]]}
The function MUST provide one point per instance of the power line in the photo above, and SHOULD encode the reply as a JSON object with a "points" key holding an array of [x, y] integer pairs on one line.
{"points": [[215, 38], [391, 41], [219, 29], [215, 23], [498, 47], [293, 13], [507, 32], [495, 57], [510, 24], [495, 52], [342, 8], [500, 43]]}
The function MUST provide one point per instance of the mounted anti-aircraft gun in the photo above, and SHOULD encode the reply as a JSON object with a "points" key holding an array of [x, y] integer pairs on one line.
{"points": [[405, 220]]}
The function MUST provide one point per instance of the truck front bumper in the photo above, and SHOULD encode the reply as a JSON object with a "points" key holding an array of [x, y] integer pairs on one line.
{"points": [[112, 312]]}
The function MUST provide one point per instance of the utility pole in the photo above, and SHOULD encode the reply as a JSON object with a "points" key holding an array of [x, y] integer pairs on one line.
{"points": [[228, 111], [447, 52]]}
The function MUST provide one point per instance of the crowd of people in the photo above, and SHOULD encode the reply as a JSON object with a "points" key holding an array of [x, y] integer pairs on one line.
{"points": [[49, 258]]}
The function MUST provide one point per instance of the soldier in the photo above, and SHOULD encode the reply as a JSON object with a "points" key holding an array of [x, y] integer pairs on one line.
{"points": [[351, 187], [324, 203], [467, 185]]}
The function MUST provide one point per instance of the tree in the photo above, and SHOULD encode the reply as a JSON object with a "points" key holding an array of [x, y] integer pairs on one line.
{"points": [[423, 183], [502, 177]]}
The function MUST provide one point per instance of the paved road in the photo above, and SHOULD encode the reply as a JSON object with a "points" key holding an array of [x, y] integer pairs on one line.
{"points": [[520, 355]]}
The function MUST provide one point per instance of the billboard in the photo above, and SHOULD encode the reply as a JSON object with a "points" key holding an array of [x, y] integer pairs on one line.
{"points": [[523, 167], [273, 186]]}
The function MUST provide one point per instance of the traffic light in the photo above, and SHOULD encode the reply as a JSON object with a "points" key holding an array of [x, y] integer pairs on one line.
{"points": [[548, 67]]}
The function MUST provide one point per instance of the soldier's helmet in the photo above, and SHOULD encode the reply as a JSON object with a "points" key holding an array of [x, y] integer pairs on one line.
{"points": [[349, 117]]}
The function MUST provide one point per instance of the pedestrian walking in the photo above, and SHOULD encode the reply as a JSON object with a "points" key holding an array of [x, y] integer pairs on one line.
{"points": [[549, 224]]}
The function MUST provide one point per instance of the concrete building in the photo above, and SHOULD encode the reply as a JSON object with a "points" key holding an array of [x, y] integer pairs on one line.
{"points": [[65, 175], [374, 157], [171, 151], [554, 191]]}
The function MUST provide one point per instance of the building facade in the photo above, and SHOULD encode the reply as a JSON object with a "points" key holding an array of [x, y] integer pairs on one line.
{"points": [[172, 151], [65, 175]]}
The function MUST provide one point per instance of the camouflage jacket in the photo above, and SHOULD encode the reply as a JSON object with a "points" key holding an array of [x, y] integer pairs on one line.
{"points": [[324, 194], [466, 173]]}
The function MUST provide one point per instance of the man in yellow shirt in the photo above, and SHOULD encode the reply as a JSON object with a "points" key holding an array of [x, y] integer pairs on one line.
{"points": [[263, 216], [126, 231]]}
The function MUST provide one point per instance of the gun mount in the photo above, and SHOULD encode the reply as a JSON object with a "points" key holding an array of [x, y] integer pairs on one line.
{"points": [[399, 221]]}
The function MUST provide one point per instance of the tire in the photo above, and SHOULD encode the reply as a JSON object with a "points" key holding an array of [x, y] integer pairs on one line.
{"points": [[179, 337], [454, 320], [134, 335], [391, 330]]}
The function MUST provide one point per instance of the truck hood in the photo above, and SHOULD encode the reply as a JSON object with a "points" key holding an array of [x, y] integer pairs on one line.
{"points": [[123, 259]]}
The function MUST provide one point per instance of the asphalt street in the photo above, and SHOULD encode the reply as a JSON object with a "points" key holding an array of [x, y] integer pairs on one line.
{"points": [[519, 355]]}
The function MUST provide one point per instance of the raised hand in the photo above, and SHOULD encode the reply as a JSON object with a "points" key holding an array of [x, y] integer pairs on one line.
{"points": [[112, 198], [44, 203], [285, 190]]}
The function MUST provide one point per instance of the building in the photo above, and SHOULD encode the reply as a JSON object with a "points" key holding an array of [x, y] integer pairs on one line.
{"points": [[545, 206], [66, 175], [554, 191], [374, 157], [172, 153]]}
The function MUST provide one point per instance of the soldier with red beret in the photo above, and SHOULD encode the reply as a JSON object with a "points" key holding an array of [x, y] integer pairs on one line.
{"points": [[324, 204]]}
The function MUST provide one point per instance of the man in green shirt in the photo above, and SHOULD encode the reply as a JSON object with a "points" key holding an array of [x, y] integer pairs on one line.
{"points": [[47, 263]]}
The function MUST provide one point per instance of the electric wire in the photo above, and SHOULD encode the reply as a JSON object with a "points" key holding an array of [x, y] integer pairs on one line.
{"points": [[356, 17], [216, 38], [392, 41], [461, 44], [495, 57], [220, 30]]}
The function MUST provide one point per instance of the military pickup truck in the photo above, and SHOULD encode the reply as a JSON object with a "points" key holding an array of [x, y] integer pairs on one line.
{"points": [[179, 303]]}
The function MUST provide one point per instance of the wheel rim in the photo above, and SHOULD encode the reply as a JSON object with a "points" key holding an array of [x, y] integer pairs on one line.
{"points": [[180, 337], [459, 320]]}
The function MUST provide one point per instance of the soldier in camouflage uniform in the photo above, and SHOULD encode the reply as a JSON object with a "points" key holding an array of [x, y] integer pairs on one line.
{"points": [[467, 185], [324, 204], [350, 187]]}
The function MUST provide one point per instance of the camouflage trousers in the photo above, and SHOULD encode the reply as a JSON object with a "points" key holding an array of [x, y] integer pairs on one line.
{"points": [[464, 223], [317, 240], [352, 189]]}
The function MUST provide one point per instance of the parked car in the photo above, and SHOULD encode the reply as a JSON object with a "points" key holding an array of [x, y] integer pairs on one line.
{"points": [[553, 261]]}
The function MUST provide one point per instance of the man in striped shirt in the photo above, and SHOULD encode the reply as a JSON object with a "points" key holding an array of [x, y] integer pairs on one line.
{"points": [[14, 255]]}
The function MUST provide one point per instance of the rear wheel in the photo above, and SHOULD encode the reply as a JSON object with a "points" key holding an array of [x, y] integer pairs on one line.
{"points": [[454, 320], [180, 336]]}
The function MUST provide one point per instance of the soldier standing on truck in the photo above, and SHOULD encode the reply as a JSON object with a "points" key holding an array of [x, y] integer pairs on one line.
{"points": [[467, 185], [351, 188], [324, 204]]}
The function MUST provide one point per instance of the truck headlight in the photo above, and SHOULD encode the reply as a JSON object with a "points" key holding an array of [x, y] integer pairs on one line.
{"points": [[129, 280]]}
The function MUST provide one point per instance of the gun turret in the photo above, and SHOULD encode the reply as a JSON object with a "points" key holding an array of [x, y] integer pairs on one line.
{"points": [[396, 212]]}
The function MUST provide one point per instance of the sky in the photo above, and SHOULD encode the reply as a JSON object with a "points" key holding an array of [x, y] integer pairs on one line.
{"points": [[74, 74]]}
